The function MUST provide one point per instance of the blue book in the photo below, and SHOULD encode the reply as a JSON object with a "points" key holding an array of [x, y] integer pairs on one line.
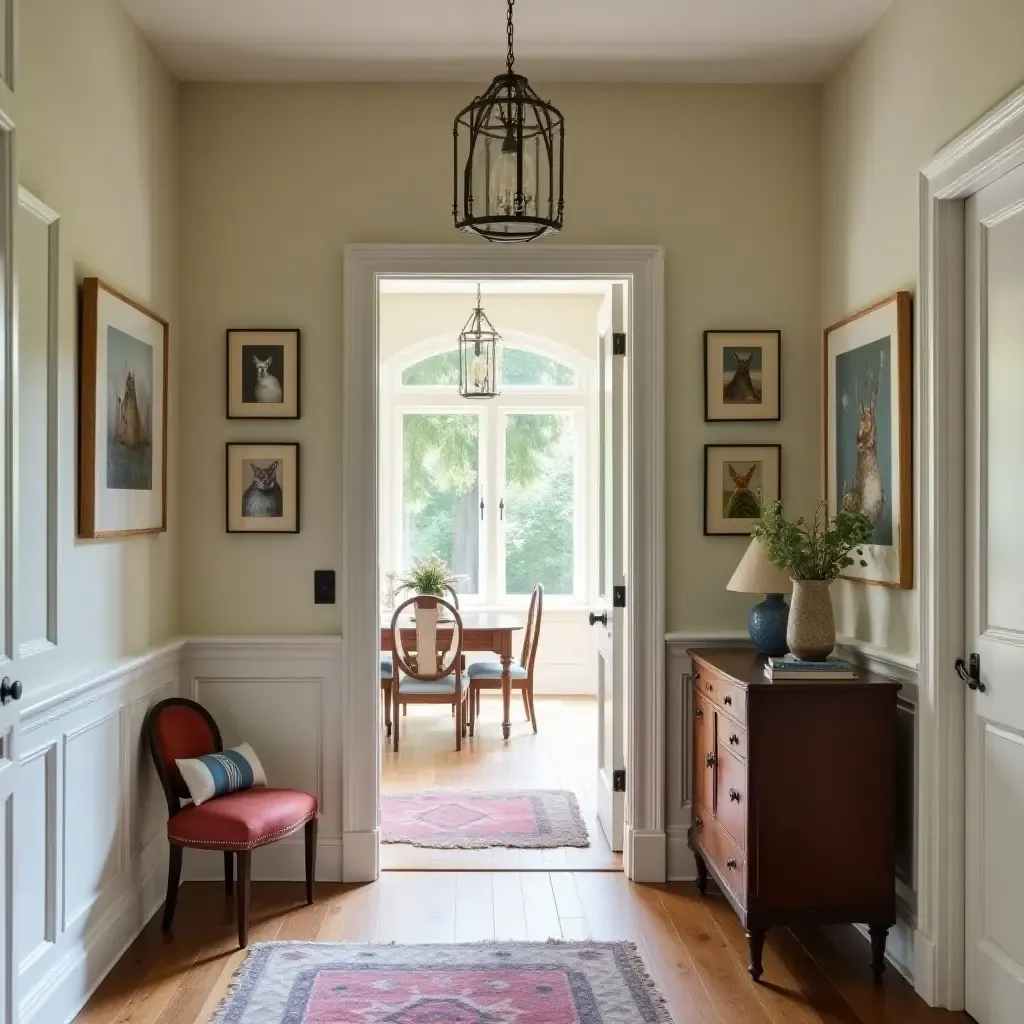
{"points": [[791, 667]]}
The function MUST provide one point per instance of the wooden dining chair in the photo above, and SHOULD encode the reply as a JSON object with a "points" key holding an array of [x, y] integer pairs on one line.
{"points": [[431, 672], [486, 675], [387, 679], [386, 660]]}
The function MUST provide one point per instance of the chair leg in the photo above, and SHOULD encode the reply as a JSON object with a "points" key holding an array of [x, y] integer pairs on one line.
{"points": [[533, 705], [477, 709], [310, 858], [460, 725], [229, 872], [405, 710], [471, 710], [173, 877], [396, 720], [244, 864], [526, 703], [386, 691], [453, 711]]}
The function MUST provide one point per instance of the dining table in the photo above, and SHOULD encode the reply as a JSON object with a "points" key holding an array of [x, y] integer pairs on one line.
{"points": [[481, 631]]}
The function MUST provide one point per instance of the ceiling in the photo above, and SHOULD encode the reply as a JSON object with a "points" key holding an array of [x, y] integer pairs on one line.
{"points": [[464, 40]]}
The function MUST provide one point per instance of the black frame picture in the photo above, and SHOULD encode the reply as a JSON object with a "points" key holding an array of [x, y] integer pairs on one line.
{"points": [[748, 389], [266, 502], [263, 373], [747, 493]]}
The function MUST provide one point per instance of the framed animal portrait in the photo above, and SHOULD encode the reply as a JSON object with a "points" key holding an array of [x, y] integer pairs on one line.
{"points": [[263, 374], [123, 416], [262, 488], [868, 442], [738, 478], [742, 376]]}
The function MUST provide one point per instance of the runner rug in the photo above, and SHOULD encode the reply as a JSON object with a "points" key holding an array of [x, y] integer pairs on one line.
{"points": [[474, 820], [479, 983]]}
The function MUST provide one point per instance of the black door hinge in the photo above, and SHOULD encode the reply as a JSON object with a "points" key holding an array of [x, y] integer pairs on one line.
{"points": [[619, 781], [618, 343], [618, 597]]}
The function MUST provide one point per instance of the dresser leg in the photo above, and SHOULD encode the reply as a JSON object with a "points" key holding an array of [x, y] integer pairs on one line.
{"points": [[702, 874], [878, 934], [756, 939]]}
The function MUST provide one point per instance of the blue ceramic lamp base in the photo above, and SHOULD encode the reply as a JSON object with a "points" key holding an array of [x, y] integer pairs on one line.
{"points": [[767, 625]]}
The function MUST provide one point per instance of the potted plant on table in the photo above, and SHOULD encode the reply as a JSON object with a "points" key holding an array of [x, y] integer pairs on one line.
{"points": [[813, 554], [428, 579]]}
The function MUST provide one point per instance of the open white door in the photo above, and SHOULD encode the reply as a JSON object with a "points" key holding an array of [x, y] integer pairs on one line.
{"points": [[993, 665], [609, 617]]}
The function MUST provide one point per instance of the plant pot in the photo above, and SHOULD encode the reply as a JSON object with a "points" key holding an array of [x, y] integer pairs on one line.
{"points": [[811, 632]]}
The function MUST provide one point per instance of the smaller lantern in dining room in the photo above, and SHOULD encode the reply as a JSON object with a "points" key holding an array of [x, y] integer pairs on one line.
{"points": [[478, 355]]}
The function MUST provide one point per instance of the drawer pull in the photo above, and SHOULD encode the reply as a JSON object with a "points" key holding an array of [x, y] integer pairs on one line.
{"points": [[711, 687], [728, 699], [709, 760], [734, 795], [734, 740], [700, 712], [698, 823], [730, 864], [696, 673]]}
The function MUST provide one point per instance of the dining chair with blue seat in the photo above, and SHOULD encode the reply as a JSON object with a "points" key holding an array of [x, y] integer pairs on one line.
{"points": [[387, 678]]}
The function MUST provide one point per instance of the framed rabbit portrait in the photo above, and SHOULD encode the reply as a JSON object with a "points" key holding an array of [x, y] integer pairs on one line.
{"points": [[737, 479], [868, 434], [263, 374], [742, 376]]}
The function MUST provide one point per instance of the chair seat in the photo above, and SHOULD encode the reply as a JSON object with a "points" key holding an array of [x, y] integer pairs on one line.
{"points": [[243, 820], [387, 667], [427, 688], [491, 670]]}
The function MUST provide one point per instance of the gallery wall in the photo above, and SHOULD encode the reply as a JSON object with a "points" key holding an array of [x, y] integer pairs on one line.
{"points": [[277, 179], [98, 129], [928, 70]]}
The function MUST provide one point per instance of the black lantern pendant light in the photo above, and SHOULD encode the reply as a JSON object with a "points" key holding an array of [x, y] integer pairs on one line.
{"points": [[509, 161], [478, 355]]}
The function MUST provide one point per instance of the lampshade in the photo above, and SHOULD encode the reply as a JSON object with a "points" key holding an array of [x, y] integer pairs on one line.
{"points": [[757, 575]]}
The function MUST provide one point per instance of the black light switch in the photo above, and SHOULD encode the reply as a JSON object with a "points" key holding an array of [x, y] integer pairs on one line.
{"points": [[323, 586]]}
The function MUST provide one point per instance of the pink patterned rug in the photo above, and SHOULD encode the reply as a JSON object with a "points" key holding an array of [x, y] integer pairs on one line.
{"points": [[479, 983], [474, 820]]}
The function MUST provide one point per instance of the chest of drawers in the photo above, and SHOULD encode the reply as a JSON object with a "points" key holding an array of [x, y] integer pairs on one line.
{"points": [[793, 810]]}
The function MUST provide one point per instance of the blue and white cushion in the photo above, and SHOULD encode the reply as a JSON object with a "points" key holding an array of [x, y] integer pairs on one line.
{"points": [[216, 774]]}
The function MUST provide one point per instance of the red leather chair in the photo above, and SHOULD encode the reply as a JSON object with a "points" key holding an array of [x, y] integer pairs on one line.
{"points": [[236, 823]]}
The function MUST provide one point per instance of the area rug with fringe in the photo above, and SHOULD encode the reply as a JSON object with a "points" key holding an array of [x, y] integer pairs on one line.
{"points": [[476, 819], [474, 983]]}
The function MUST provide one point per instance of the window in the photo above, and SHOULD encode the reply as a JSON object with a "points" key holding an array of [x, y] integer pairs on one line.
{"points": [[498, 489]]}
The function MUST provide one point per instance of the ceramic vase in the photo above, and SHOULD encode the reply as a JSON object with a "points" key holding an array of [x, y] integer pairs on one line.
{"points": [[811, 631]]}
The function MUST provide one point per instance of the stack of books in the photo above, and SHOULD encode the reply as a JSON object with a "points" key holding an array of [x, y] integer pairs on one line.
{"points": [[790, 667]]}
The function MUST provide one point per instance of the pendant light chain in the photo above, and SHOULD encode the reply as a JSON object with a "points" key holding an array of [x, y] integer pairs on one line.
{"points": [[511, 58]]}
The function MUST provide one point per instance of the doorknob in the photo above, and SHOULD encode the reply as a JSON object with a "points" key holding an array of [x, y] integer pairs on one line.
{"points": [[9, 691], [595, 618], [970, 673]]}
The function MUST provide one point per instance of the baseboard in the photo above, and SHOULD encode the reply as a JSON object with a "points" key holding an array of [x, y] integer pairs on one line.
{"points": [[901, 947], [283, 861], [644, 855], [680, 865], [361, 856]]}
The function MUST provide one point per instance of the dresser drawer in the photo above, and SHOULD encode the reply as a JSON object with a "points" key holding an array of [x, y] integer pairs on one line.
{"points": [[704, 715], [713, 843], [725, 693], [731, 790], [732, 736]]}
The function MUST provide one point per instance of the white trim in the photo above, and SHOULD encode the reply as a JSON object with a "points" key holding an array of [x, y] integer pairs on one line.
{"points": [[645, 739], [985, 152]]}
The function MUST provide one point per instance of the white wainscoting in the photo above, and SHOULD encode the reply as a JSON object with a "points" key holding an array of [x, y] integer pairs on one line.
{"points": [[90, 852]]}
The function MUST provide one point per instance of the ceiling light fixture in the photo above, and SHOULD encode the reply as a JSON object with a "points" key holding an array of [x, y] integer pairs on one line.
{"points": [[478, 355]]}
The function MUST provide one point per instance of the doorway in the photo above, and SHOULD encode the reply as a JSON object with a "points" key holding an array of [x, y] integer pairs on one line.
{"points": [[638, 708]]}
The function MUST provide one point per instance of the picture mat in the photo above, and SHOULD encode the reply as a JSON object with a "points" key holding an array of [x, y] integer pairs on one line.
{"points": [[714, 370], [288, 340], [240, 476]]}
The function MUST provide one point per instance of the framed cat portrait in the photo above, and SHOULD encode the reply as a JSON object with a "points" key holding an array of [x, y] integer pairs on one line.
{"points": [[262, 488], [263, 374], [738, 478], [868, 434], [742, 376]]}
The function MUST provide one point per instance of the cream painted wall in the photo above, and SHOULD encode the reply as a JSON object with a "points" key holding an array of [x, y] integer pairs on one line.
{"points": [[98, 129], [277, 179], [928, 70]]}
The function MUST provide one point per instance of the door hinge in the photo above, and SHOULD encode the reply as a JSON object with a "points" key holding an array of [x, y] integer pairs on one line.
{"points": [[619, 781], [618, 343], [618, 597]]}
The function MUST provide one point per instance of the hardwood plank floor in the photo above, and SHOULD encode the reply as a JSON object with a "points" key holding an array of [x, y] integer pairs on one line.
{"points": [[562, 755], [693, 946]]}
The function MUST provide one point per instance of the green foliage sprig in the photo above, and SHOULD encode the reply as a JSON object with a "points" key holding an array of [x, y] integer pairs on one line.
{"points": [[819, 550], [428, 577]]}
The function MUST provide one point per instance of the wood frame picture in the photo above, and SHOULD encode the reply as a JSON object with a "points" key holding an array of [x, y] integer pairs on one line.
{"points": [[262, 487], [869, 433], [122, 488], [742, 376], [263, 373], [738, 479]]}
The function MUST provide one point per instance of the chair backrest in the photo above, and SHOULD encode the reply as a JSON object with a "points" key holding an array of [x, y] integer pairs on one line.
{"points": [[453, 593], [422, 661], [531, 635], [178, 728]]}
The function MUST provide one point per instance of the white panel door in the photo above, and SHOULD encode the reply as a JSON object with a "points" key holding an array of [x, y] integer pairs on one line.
{"points": [[609, 620], [993, 670]]}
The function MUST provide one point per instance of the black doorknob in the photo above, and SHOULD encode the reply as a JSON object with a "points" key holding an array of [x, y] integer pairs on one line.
{"points": [[595, 618], [970, 673], [9, 691]]}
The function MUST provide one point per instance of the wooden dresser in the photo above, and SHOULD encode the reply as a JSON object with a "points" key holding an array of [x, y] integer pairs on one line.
{"points": [[794, 797]]}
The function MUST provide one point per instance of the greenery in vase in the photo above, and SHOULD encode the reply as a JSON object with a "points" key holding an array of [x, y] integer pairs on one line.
{"points": [[819, 550], [428, 577]]}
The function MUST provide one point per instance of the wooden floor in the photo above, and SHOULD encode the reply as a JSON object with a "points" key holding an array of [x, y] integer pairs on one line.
{"points": [[693, 947], [562, 755]]}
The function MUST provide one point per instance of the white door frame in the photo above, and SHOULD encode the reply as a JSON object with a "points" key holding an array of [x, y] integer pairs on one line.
{"points": [[643, 267], [986, 151]]}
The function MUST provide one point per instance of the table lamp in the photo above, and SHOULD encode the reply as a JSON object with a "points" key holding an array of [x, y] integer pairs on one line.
{"points": [[756, 574]]}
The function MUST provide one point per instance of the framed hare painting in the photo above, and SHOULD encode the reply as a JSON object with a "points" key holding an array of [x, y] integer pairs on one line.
{"points": [[123, 416], [868, 434]]}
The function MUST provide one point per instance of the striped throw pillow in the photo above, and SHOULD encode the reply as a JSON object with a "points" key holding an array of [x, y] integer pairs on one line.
{"points": [[217, 774]]}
